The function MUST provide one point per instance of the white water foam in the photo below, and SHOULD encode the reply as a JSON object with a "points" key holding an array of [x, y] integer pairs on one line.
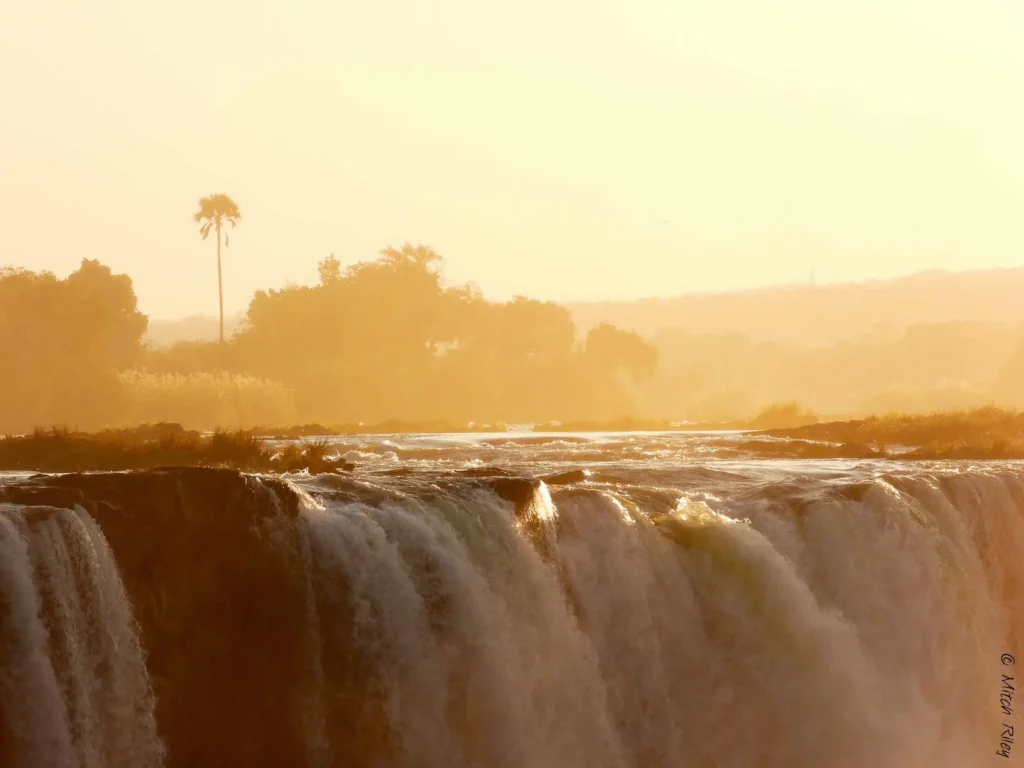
{"points": [[76, 673], [860, 626]]}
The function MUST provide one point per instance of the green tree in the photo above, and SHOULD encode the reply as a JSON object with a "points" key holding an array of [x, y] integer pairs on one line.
{"points": [[387, 338], [63, 343], [1009, 383], [214, 214], [329, 270], [611, 348]]}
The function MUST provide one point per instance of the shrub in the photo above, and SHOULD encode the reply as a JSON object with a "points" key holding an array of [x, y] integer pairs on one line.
{"points": [[204, 400], [783, 416]]}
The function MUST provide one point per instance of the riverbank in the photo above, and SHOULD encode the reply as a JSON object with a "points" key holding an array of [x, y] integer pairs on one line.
{"points": [[162, 445], [982, 434]]}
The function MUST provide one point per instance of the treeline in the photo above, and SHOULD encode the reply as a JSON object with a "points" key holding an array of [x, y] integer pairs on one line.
{"points": [[928, 367], [63, 343], [378, 340], [387, 340]]}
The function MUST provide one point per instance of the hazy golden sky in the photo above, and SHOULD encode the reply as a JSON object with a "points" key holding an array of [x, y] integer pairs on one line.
{"points": [[573, 149]]}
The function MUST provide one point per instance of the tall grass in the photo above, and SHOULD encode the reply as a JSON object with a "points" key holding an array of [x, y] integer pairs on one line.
{"points": [[203, 400]]}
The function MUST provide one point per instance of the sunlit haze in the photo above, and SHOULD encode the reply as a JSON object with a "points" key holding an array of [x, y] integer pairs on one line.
{"points": [[544, 383], [573, 150]]}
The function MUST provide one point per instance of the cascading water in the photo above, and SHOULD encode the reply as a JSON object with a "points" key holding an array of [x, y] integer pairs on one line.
{"points": [[847, 625], [74, 690], [654, 615]]}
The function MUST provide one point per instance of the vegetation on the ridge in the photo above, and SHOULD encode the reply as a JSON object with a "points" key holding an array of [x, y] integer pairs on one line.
{"points": [[160, 445], [982, 433]]}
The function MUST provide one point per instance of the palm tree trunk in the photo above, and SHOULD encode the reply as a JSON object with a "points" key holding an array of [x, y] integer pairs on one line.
{"points": [[220, 286]]}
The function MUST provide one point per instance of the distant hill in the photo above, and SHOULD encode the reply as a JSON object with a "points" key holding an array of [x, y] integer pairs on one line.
{"points": [[807, 315], [814, 315], [164, 333]]}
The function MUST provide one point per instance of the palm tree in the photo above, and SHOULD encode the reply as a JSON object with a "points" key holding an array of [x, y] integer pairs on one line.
{"points": [[214, 213]]}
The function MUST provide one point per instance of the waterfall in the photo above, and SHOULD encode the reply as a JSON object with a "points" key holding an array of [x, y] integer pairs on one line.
{"points": [[73, 682], [770, 615], [850, 625]]}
